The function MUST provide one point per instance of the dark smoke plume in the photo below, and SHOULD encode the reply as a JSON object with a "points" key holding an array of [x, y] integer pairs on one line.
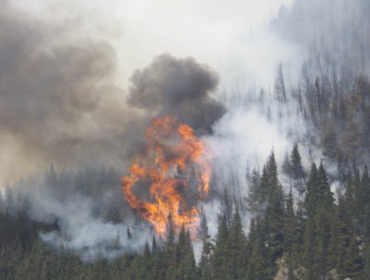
{"points": [[59, 102], [181, 87]]}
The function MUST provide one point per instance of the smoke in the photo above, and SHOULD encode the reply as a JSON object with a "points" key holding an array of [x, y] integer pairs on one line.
{"points": [[55, 99], [85, 209], [90, 237], [60, 104], [180, 87], [64, 98]]}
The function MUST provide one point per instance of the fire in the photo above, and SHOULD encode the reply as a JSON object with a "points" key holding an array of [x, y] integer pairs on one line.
{"points": [[173, 153]]}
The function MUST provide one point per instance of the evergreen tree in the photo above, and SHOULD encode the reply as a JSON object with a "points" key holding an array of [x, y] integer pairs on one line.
{"points": [[235, 245], [325, 196], [170, 253], [352, 265], [255, 197], [296, 164], [312, 193], [258, 265], [220, 252], [204, 269], [352, 199], [157, 261], [274, 213], [366, 270], [363, 195], [290, 230]]}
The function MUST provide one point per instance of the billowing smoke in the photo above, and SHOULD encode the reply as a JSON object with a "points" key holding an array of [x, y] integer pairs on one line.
{"points": [[82, 231], [57, 99], [174, 87], [62, 102], [181, 87], [59, 102]]}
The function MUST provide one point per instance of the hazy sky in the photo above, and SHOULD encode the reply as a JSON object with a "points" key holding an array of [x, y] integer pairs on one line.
{"points": [[52, 56], [214, 32]]}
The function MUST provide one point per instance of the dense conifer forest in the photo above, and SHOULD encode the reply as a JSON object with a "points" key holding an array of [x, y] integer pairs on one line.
{"points": [[308, 237]]}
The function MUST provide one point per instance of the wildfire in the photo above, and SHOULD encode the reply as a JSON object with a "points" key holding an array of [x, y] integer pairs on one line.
{"points": [[173, 154]]}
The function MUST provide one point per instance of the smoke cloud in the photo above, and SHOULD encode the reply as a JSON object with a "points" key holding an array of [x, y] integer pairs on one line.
{"points": [[55, 98], [59, 102], [181, 87], [63, 101]]}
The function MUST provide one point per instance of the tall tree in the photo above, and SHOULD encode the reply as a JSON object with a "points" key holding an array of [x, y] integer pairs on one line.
{"points": [[280, 88], [274, 213], [297, 171], [220, 252]]}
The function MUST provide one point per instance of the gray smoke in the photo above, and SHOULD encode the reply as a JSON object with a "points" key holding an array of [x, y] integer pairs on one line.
{"points": [[89, 236], [55, 98], [181, 87], [60, 102]]}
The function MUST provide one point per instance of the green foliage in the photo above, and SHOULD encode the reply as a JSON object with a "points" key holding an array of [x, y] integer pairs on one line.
{"points": [[313, 238]]}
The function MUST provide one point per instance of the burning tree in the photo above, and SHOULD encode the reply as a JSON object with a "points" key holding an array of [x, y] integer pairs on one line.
{"points": [[167, 170]]}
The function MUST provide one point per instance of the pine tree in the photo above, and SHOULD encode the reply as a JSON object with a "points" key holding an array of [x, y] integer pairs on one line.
{"points": [[290, 228], [366, 270], [297, 171], [309, 252], [157, 262], [275, 212], [279, 90], [235, 245], [255, 197], [170, 253], [312, 193], [204, 269], [258, 266], [363, 199], [366, 226], [330, 145], [189, 261], [219, 259], [325, 196], [296, 163], [341, 232], [264, 190], [352, 265], [128, 232], [353, 189], [147, 262], [319, 205]]}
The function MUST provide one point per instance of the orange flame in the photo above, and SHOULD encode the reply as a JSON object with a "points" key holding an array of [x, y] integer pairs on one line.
{"points": [[172, 152]]}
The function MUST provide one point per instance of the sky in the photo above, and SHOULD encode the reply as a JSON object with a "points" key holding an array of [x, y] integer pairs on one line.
{"points": [[217, 33], [85, 52], [67, 97]]}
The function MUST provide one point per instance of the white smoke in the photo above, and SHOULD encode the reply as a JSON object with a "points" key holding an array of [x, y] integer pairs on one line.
{"points": [[246, 60], [82, 231]]}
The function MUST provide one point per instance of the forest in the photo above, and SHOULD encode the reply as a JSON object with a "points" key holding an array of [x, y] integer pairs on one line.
{"points": [[309, 237], [305, 216]]}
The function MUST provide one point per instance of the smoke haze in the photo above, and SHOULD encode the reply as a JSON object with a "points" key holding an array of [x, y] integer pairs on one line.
{"points": [[59, 102], [179, 87], [78, 90]]}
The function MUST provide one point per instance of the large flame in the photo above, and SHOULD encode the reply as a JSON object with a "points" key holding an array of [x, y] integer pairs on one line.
{"points": [[168, 170]]}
